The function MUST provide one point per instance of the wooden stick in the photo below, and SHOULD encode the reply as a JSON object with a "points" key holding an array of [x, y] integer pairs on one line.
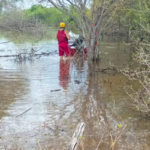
{"points": [[76, 136], [24, 112]]}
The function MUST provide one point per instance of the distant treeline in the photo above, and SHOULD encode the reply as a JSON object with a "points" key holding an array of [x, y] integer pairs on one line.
{"points": [[131, 18], [49, 16]]}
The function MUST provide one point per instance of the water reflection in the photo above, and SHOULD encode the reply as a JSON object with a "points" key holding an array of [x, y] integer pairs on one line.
{"points": [[64, 70], [79, 64]]}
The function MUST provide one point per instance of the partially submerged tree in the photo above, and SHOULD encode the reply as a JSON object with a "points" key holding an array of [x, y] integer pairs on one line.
{"points": [[91, 17]]}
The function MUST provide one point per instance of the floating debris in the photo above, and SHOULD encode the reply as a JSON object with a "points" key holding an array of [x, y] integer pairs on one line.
{"points": [[77, 81], [56, 90]]}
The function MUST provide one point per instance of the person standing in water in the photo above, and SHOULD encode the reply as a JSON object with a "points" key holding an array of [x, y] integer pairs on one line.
{"points": [[63, 37]]}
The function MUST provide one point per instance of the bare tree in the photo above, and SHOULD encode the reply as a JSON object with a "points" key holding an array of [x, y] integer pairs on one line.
{"points": [[17, 20], [7, 4], [91, 17]]}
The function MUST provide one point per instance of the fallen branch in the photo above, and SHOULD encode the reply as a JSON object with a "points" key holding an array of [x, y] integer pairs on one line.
{"points": [[76, 136], [56, 90], [24, 112], [43, 53], [5, 42], [105, 69], [9, 55]]}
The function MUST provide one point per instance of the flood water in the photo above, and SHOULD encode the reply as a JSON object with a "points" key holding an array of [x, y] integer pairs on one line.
{"points": [[43, 100]]}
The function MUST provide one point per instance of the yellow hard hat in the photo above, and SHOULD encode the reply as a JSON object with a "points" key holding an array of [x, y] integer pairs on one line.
{"points": [[62, 25]]}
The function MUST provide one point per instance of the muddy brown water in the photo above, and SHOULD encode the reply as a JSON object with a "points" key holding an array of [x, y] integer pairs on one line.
{"points": [[43, 100]]}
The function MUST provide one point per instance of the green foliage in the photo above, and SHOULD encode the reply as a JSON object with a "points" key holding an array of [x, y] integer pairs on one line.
{"points": [[136, 14], [50, 16], [119, 126]]}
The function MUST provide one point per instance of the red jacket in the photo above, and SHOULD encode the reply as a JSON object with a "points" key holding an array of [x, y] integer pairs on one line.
{"points": [[61, 37]]}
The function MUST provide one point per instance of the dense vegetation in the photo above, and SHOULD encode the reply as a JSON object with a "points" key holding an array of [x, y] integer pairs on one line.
{"points": [[49, 16], [129, 16]]}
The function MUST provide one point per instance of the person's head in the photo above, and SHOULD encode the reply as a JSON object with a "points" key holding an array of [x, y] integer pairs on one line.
{"points": [[62, 25]]}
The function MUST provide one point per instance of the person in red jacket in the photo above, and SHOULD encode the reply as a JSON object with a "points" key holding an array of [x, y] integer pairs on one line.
{"points": [[63, 37]]}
